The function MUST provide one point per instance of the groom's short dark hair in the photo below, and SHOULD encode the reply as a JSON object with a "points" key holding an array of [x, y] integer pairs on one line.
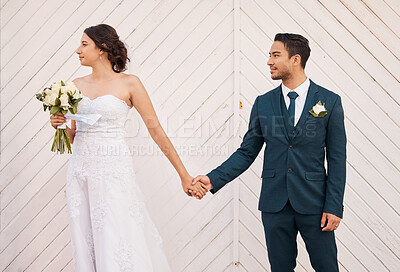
{"points": [[295, 44]]}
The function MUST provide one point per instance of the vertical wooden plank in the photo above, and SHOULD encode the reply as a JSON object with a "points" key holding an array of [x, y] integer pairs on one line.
{"points": [[236, 101]]}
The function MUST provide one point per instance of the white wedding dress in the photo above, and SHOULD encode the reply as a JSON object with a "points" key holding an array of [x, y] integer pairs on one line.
{"points": [[110, 227]]}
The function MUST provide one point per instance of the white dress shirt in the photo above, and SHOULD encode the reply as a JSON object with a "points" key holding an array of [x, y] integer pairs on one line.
{"points": [[302, 91]]}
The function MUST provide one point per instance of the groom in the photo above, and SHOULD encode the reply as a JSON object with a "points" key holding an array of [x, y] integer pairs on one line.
{"points": [[301, 124]]}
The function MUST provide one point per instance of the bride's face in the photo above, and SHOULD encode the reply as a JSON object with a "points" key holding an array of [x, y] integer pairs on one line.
{"points": [[88, 52]]}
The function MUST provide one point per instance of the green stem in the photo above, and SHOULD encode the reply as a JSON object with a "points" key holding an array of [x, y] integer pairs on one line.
{"points": [[61, 142]]}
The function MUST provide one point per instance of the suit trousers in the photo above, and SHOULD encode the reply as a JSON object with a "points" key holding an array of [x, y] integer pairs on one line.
{"points": [[281, 230]]}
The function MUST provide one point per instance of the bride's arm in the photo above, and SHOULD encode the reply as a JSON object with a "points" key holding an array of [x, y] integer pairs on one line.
{"points": [[71, 131], [142, 103]]}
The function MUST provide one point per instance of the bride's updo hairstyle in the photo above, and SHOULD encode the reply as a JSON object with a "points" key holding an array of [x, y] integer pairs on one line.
{"points": [[106, 38]]}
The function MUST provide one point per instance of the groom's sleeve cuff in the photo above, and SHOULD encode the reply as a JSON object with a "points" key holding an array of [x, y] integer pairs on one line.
{"points": [[213, 179], [337, 212]]}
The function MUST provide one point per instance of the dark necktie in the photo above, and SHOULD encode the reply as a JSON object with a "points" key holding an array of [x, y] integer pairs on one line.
{"points": [[292, 96]]}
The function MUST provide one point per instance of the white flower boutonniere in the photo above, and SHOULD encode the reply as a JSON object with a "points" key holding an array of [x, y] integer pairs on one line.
{"points": [[318, 110]]}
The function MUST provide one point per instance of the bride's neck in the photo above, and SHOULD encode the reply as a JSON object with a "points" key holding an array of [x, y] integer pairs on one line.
{"points": [[102, 72]]}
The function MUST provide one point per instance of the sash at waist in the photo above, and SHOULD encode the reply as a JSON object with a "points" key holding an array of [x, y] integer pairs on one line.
{"points": [[100, 133]]}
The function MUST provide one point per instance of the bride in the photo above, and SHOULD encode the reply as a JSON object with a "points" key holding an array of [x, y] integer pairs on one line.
{"points": [[110, 227]]}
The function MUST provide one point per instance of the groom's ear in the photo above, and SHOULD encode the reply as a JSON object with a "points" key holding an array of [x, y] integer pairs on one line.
{"points": [[296, 60]]}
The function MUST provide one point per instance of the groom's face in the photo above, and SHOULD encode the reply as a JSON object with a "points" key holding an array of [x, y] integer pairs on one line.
{"points": [[279, 62]]}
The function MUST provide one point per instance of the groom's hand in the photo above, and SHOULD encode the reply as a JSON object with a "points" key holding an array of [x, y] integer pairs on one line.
{"points": [[197, 191], [204, 180], [329, 222]]}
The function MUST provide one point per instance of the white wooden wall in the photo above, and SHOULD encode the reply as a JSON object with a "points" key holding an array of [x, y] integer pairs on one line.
{"points": [[198, 59]]}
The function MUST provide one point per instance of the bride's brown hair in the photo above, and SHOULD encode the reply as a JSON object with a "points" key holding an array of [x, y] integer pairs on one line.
{"points": [[106, 38]]}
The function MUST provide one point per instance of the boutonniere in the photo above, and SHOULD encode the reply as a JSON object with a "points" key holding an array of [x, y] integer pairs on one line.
{"points": [[318, 110]]}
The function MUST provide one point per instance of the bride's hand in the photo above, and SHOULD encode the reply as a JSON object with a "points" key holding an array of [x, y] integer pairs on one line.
{"points": [[57, 120], [198, 190]]}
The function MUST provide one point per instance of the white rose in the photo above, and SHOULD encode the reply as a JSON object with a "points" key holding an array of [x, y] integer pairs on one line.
{"points": [[47, 100], [56, 86], [64, 89], [77, 94], [51, 99], [318, 108], [73, 90], [68, 87], [71, 86], [64, 101], [52, 92], [48, 92]]}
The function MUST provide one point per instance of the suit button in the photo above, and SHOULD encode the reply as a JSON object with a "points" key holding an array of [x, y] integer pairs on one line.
{"points": [[290, 170], [290, 146], [294, 131]]}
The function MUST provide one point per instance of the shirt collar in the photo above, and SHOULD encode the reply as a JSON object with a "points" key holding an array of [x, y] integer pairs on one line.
{"points": [[300, 90]]}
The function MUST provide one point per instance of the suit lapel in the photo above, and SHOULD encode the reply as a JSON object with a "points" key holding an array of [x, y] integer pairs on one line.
{"points": [[311, 100], [276, 105]]}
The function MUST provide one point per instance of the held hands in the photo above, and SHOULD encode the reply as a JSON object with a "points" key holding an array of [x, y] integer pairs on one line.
{"points": [[329, 222], [205, 183], [57, 120], [197, 190]]}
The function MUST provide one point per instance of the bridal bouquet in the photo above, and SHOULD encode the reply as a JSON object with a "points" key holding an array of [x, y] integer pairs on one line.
{"points": [[60, 97]]}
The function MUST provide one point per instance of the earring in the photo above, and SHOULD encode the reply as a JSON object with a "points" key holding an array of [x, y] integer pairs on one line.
{"points": [[101, 57]]}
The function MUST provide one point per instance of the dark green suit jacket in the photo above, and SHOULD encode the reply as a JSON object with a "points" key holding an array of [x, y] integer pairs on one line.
{"points": [[294, 157]]}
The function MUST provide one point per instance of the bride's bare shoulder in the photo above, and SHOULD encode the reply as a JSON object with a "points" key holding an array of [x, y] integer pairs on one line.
{"points": [[79, 79], [131, 78], [133, 81]]}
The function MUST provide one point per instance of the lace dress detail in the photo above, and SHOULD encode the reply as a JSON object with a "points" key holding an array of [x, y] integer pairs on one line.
{"points": [[89, 241], [74, 200], [110, 227], [98, 214], [124, 257], [136, 212], [156, 235]]}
